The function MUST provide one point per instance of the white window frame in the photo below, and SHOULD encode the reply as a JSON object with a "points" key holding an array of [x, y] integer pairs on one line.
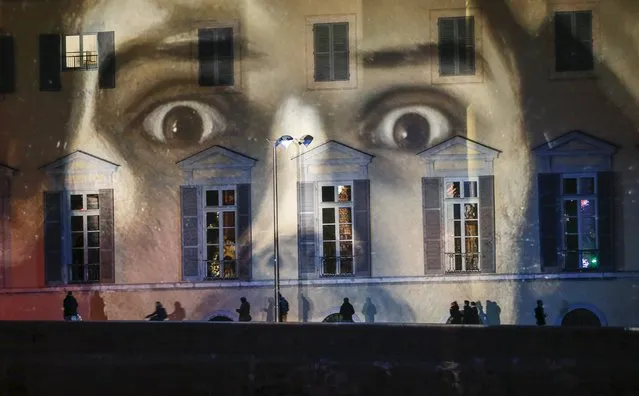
{"points": [[83, 65], [449, 222], [579, 197], [219, 209], [320, 236], [68, 250]]}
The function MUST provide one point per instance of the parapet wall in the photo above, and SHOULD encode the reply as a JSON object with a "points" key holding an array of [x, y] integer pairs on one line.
{"points": [[47, 358]]}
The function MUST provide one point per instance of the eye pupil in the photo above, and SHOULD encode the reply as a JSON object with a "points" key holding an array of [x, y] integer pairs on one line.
{"points": [[411, 131], [182, 124]]}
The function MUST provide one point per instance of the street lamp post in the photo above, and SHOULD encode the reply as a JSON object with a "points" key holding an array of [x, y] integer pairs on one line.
{"points": [[284, 141]]}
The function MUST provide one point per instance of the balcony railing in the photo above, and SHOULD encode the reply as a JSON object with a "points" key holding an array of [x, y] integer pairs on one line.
{"points": [[88, 273], [343, 266], [462, 262], [221, 270], [579, 260], [81, 60]]}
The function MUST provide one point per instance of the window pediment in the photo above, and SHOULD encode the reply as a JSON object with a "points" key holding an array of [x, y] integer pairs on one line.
{"points": [[217, 165], [575, 151], [80, 171], [334, 161], [459, 156]]}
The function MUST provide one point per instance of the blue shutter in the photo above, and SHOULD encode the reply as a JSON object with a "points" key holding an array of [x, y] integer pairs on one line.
{"points": [[487, 223], [244, 231], [306, 234], [106, 57], [206, 57], [50, 62], [362, 227], [7, 65], [224, 56], [191, 235], [432, 205], [583, 54], [605, 219], [549, 220], [340, 49], [447, 46], [322, 51], [107, 256], [53, 238], [466, 46]]}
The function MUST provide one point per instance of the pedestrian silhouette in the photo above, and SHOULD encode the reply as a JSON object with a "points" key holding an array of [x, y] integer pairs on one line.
{"points": [[369, 311], [270, 310], [493, 312], [96, 307], [467, 313], [69, 307], [244, 310], [346, 311], [178, 312], [540, 315], [159, 314], [456, 316], [474, 314], [283, 307]]}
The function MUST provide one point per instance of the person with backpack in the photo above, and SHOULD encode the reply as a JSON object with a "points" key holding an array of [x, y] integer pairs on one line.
{"points": [[70, 307], [283, 307], [159, 314]]}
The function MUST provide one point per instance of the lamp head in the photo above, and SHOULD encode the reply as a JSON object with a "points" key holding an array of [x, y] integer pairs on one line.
{"points": [[285, 141], [306, 140]]}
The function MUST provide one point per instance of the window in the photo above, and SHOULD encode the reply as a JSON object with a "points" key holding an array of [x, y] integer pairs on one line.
{"points": [[456, 46], [216, 56], [81, 51], [220, 228], [574, 41], [579, 221], [331, 51], [462, 225], [85, 237], [337, 229]]}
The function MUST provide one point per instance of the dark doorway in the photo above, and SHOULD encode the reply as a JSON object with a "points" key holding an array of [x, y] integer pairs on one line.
{"points": [[220, 318], [581, 317]]}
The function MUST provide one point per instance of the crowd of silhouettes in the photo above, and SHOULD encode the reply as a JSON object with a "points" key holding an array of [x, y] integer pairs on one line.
{"points": [[468, 315]]}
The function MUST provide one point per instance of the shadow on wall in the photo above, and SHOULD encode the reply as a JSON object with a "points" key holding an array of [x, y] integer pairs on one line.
{"points": [[96, 307], [178, 312], [493, 313], [305, 307]]}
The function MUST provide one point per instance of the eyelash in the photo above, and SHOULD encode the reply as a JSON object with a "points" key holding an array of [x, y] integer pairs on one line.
{"points": [[213, 122]]}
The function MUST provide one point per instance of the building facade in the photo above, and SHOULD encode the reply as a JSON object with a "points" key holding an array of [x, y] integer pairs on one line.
{"points": [[462, 150]]}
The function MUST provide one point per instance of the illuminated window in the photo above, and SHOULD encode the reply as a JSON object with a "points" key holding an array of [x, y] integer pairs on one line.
{"points": [[462, 224], [81, 51], [579, 221], [85, 237], [336, 208], [220, 228]]}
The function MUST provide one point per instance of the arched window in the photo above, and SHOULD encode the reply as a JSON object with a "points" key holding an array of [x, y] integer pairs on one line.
{"points": [[581, 317]]}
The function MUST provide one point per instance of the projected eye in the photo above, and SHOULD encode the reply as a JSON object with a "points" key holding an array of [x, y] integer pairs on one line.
{"points": [[183, 123], [411, 127]]}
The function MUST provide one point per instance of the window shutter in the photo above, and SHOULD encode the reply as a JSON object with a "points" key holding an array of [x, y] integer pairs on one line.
{"points": [[244, 230], [487, 223], [106, 57], [549, 219], [107, 256], [362, 227], [224, 56], [340, 52], [206, 57], [605, 219], [7, 65], [433, 207], [53, 238], [582, 41], [466, 45], [191, 235], [306, 239], [50, 62], [446, 46], [322, 51], [563, 39]]}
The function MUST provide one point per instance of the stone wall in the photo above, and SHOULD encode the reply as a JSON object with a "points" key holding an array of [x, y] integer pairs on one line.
{"points": [[47, 358]]}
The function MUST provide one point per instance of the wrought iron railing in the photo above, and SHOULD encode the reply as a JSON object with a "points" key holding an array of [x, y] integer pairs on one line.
{"points": [[342, 266], [221, 270], [81, 60], [462, 262], [88, 273], [579, 260]]}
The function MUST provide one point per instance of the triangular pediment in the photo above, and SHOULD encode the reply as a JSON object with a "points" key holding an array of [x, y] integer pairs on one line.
{"points": [[459, 147], [333, 152], [217, 157], [80, 162], [575, 143], [7, 170]]}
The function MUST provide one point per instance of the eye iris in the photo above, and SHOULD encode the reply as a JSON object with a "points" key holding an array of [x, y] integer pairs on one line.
{"points": [[182, 124], [411, 130]]}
